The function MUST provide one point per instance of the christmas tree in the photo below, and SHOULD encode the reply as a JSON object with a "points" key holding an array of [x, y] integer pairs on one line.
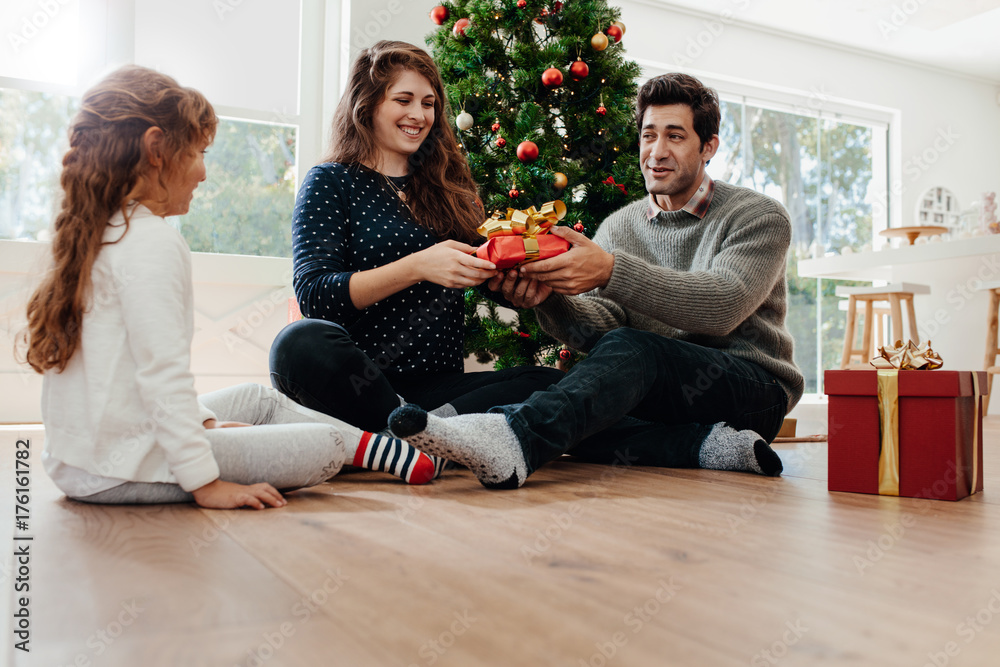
{"points": [[544, 104]]}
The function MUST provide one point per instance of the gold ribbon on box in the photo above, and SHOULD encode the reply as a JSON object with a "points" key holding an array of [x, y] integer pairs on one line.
{"points": [[528, 222], [891, 360], [909, 357]]}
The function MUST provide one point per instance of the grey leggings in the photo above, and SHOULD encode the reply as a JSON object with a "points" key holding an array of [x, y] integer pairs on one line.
{"points": [[289, 446]]}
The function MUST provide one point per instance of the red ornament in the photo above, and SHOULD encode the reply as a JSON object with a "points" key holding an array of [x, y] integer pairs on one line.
{"points": [[496, 126], [614, 32], [439, 14], [523, 334], [578, 227], [557, 6], [579, 70], [565, 355], [521, 4], [527, 151], [459, 28], [514, 194], [552, 77], [501, 142], [602, 111]]}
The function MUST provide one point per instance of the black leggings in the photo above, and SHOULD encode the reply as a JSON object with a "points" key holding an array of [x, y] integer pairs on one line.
{"points": [[315, 363]]}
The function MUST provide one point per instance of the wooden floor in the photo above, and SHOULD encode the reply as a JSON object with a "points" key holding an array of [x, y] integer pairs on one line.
{"points": [[585, 565]]}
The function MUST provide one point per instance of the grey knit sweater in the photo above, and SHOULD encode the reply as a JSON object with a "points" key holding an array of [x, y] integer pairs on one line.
{"points": [[718, 282]]}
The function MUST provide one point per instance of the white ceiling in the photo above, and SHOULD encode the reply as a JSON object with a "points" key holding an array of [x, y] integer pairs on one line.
{"points": [[958, 35]]}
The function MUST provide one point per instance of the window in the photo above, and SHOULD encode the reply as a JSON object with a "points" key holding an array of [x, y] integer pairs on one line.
{"points": [[826, 170], [245, 204], [32, 143], [269, 123]]}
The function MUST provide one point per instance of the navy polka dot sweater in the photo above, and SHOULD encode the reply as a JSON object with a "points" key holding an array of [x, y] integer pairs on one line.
{"points": [[347, 219]]}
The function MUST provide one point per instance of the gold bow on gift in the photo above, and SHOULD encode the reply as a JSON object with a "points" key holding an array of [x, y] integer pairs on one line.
{"points": [[523, 222], [909, 357]]}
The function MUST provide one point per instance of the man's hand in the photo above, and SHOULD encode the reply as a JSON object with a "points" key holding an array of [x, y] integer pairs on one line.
{"points": [[520, 291], [229, 495], [585, 267]]}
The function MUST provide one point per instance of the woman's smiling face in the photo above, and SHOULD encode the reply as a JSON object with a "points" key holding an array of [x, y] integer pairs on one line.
{"points": [[403, 120]]}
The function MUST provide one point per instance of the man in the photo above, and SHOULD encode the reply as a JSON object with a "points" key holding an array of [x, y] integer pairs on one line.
{"points": [[680, 301]]}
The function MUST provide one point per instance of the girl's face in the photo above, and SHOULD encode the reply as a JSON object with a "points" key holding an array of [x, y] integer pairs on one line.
{"points": [[403, 120], [182, 180]]}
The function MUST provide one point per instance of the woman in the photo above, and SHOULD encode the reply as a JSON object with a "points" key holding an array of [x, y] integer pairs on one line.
{"points": [[381, 251], [110, 326]]}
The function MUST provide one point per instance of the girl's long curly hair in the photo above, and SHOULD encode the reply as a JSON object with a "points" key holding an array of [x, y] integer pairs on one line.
{"points": [[442, 197], [104, 170]]}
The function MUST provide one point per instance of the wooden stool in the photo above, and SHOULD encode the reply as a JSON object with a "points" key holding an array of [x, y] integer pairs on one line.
{"points": [[880, 315], [989, 364], [895, 294]]}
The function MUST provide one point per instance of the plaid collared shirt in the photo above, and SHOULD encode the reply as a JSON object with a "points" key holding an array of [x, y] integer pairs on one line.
{"points": [[696, 206]]}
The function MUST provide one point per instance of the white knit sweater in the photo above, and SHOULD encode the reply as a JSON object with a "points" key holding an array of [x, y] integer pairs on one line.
{"points": [[125, 407]]}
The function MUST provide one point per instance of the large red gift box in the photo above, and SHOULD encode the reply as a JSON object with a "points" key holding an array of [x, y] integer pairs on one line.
{"points": [[509, 251], [940, 432]]}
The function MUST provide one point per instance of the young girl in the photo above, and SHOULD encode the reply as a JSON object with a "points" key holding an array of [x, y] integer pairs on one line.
{"points": [[381, 238], [111, 325]]}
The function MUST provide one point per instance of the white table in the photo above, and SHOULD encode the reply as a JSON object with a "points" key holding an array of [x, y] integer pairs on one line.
{"points": [[953, 315]]}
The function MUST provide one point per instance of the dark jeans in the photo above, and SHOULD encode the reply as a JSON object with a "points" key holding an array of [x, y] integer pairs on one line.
{"points": [[315, 363], [643, 399]]}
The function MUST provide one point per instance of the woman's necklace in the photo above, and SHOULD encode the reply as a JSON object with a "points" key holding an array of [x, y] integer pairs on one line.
{"points": [[399, 191]]}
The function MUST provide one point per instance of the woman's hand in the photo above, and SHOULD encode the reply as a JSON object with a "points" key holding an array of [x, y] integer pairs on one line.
{"points": [[520, 291], [221, 495], [451, 264]]}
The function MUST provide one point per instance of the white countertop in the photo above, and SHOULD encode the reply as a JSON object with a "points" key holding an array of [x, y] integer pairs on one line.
{"points": [[878, 265]]}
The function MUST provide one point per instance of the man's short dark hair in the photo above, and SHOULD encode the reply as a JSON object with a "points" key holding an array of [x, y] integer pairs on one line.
{"points": [[678, 88]]}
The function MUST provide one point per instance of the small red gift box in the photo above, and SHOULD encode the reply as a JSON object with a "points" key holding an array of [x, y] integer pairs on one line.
{"points": [[939, 423], [521, 236], [509, 251]]}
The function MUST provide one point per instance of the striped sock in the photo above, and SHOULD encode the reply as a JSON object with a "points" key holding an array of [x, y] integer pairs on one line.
{"points": [[392, 455]]}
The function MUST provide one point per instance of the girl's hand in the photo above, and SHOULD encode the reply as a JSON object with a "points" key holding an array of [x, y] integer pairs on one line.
{"points": [[451, 264], [211, 423], [221, 495]]}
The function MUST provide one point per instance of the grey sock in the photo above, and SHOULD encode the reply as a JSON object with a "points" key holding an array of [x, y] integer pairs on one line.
{"points": [[484, 443], [725, 448]]}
